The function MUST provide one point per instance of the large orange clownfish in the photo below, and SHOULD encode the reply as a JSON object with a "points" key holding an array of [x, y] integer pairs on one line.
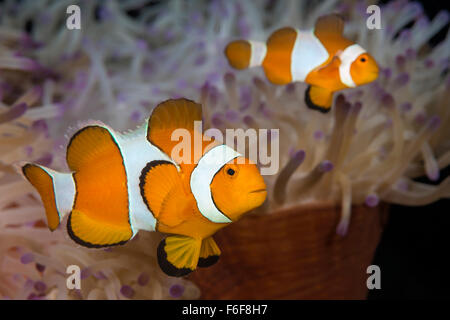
{"points": [[321, 57], [122, 183]]}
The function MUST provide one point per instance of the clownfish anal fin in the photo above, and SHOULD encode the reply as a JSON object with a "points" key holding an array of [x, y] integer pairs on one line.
{"points": [[92, 234], [171, 115], [163, 193], [329, 24], [318, 98], [178, 255], [209, 253]]}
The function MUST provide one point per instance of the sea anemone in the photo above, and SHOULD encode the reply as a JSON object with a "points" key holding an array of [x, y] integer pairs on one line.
{"points": [[131, 55]]}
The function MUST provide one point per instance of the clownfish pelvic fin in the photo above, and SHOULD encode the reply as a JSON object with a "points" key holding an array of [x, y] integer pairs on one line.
{"points": [[318, 98], [209, 253], [179, 255]]}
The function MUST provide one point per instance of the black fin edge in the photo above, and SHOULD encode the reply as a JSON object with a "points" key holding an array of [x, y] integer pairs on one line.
{"points": [[166, 266], [208, 261], [88, 244], [312, 105], [24, 168], [150, 165]]}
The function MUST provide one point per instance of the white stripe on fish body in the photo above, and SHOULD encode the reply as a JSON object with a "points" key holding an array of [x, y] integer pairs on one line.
{"points": [[308, 53], [137, 151], [347, 57], [203, 174], [64, 191], [258, 52]]}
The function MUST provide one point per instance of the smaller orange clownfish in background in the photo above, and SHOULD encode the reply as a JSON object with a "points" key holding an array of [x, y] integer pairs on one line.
{"points": [[321, 57], [122, 183]]}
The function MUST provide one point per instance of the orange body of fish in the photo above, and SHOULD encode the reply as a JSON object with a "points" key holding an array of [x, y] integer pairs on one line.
{"points": [[321, 57], [119, 184]]}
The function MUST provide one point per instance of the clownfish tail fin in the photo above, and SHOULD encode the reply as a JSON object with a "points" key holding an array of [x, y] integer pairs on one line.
{"points": [[242, 54], [57, 191]]}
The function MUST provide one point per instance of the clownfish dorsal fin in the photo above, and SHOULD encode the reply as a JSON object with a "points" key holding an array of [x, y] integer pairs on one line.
{"points": [[209, 253], [179, 255], [171, 115], [88, 145], [329, 25], [163, 193]]}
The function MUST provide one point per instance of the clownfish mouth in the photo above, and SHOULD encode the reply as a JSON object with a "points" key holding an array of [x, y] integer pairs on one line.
{"points": [[258, 190]]}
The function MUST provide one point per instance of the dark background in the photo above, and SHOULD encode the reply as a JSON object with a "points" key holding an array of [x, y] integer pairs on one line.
{"points": [[414, 252]]}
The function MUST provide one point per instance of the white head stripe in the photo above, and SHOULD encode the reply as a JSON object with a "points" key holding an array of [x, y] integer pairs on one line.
{"points": [[257, 53], [347, 57], [202, 176]]}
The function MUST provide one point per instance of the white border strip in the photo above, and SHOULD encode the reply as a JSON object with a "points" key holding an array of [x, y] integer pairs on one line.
{"points": [[202, 176], [258, 52], [347, 57], [63, 189]]}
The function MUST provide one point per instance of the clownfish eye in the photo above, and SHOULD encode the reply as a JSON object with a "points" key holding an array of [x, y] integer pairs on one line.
{"points": [[231, 171], [362, 59]]}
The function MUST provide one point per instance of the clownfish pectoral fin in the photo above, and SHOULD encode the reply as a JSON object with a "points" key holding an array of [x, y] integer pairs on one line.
{"points": [[209, 253], [319, 98], [56, 189], [178, 255], [171, 115], [331, 69], [163, 193], [331, 24], [94, 234]]}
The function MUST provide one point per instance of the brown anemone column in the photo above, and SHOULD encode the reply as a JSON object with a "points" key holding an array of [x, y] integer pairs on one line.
{"points": [[294, 254]]}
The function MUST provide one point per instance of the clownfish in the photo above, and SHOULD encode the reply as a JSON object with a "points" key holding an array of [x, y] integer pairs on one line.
{"points": [[122, 183], [321, 57]]}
